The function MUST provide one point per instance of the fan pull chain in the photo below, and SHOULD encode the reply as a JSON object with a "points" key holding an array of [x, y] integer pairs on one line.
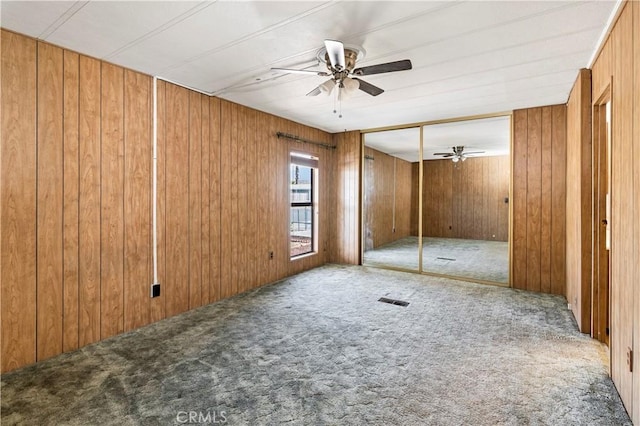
{"points": [[334, 101]]}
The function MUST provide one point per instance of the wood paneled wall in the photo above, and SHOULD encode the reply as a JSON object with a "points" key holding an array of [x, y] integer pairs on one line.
{"points": [[635, 410], [387, 191], [539, 199], [76, 170], [618, 66], [18, 198], [579, 200], [404, 198], [466, 200], [254, 184], [345, 237], [76, 173], [224, 200]]}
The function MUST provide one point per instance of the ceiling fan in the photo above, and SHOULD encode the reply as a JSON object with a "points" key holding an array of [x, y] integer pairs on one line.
{"points": [[341, 62], [457, 154]]}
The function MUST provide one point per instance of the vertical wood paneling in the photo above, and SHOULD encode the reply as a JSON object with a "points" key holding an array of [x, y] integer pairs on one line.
{"points": [[158, 304], [519, 193], [346, 218], [539, 191], [503, 208], [465, 200], [281, 176], [71, 183], [546, 213], [618, 65], [241, 198], [177, 200], [558, 198], [206, 202], [91, 209], [601, 72], [137, 199], [235, 235], [579, 201], [485, 200], [586, 197], [264, 206], [622, 213], [195, 200], [215, 199], [454, 223], [89, 202], [404, 194], [250, 236], [476, 186], [18, 207], [225, 200], [49, 201], [635, 411], [389, 188], [271, 208], [112, 201], [415, 168], [534, 195]]}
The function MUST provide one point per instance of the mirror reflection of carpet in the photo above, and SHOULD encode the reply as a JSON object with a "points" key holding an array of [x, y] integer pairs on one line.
{"points": [[476, 259]]}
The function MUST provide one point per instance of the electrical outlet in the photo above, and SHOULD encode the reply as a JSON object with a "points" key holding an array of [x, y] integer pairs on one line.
{"points": [[270, 255], [155, 290], [569, 306]]}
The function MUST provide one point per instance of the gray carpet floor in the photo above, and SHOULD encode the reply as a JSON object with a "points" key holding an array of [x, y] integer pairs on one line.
{"points": [[476, 259], [318, 348]]}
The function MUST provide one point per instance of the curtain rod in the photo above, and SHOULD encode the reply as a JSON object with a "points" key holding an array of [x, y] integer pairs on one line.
{"points": [[299, 139]]}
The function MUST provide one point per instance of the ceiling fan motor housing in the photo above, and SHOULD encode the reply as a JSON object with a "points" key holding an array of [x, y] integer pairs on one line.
{"points": [[350, 57]]}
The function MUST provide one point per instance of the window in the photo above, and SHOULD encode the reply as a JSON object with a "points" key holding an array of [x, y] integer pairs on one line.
{"points": [[303, 171]]}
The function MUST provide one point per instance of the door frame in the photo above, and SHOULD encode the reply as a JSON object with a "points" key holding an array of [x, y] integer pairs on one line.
{"points": [[601, 186]]}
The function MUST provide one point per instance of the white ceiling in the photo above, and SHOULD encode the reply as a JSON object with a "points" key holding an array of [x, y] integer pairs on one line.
{"points": [[490, 135], [468, 57]]}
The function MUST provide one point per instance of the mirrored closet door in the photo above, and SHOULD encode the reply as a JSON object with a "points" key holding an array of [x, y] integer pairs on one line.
{"points": [[465, 199], [436, 199], [390, 199]]}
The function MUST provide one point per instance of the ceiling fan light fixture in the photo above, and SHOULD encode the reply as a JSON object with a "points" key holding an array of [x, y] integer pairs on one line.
{"points": [[350, 85], [327, 87], [455, 159]]}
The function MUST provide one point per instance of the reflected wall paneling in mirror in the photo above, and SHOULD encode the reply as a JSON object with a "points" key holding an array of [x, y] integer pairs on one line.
{"points": [[436, 198], [465, 199], [389, 237]]}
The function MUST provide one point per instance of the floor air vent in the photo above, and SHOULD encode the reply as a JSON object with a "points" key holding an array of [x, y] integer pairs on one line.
{"points": [[394, 301]]}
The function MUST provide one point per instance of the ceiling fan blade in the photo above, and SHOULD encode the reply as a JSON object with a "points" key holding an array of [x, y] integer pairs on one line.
{"points": [[369, 88], [382, 68], [306, 72], [315, 92], [446, 154], [335, 51], [474, 152]]}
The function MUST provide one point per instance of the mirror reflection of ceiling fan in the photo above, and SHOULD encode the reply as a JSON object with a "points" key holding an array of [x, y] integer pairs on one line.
{"points": [[457, 154], [341, 62]]}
